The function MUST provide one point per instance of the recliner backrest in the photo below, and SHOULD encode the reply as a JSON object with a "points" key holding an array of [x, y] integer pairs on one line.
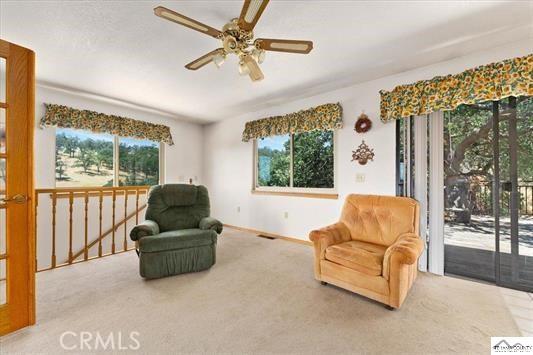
{"points": [[380, 219], [177, 206]]}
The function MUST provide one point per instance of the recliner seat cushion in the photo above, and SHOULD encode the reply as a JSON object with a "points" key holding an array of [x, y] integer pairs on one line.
{"points": [[361, 256], [178, 239]]}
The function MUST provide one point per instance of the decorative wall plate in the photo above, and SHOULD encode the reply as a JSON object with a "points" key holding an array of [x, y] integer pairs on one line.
{"points": [[363, 154]]}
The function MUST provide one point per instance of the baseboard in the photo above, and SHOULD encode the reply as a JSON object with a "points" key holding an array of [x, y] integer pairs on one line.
{"points": [[270, 235]]}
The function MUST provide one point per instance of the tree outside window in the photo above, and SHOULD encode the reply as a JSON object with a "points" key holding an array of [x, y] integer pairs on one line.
{"points": [[310, 154], [87, 159]]}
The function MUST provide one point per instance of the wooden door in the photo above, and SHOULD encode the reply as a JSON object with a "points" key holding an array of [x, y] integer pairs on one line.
{"points": [[17, 245]]}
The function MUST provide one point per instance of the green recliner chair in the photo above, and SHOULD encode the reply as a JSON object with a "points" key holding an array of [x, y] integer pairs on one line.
{"points": [[178, 236]]}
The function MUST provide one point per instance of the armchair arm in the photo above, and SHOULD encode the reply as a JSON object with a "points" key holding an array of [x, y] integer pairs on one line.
{"points": [[144, 229], [211, 223], [406, 251], [334, 234], [323, 238], [399, 266]]}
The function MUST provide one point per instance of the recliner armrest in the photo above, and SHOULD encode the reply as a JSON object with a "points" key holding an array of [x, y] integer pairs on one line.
{"points": [[144, 229], [334, 234], [211, 223]]}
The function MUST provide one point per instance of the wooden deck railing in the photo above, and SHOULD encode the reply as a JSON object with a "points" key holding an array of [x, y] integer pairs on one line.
{"points": [[71, 222]]}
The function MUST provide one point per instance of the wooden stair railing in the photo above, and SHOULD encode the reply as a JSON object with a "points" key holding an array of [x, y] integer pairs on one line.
{"points": [[98, 240], [86, 193]]}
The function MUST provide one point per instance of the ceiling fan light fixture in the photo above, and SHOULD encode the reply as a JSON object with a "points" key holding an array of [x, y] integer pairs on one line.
{"points": [[219, 59], [259, 55], [238, 39], [243, 68], [230, 44]]}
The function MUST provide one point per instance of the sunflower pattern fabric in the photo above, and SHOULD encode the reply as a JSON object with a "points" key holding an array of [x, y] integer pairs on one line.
{"points": [[68, 117], [325, 117], [511, 77]]}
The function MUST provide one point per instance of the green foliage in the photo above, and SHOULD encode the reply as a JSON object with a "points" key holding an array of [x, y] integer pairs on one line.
{"points": [[274, 166], [139, 164], [469, 140], [468, 152], [313, 162], [313, 159]]}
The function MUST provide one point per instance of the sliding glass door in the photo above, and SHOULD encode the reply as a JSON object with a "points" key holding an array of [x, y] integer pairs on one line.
{"points": [[514, 258], [473, 169], [469, 219], [488, 192]]}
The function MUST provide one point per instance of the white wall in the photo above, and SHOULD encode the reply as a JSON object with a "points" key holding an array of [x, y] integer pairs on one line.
{"points": [[228, 162], [182, 161]]}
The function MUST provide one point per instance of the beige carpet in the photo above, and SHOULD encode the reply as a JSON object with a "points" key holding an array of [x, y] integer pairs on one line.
{"points": [[260, 297]]}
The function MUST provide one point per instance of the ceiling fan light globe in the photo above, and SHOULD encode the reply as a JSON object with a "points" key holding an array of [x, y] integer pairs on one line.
{"points": [[243, 69], [219, 59], [260, 56]]}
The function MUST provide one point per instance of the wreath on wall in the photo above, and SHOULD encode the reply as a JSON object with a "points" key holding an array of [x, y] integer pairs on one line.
{"points": [[363, 124]]}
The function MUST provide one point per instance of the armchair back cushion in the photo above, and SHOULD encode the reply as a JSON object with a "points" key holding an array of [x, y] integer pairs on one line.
{"points": [[380, 219], [177, 206]]}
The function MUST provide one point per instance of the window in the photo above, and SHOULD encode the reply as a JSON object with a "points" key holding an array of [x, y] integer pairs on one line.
{"points": [[295, 161], [138, 162], [89, 159]]}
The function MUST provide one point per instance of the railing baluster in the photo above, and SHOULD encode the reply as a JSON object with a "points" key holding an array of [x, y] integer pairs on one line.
{"points": [[125, 219], [70, 209], [54, 203], [100, 205], [136, 206], [82, 253], [86, 241], [114, 197]]}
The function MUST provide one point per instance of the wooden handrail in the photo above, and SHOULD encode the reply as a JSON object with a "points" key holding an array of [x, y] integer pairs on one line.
{"points": [[90, 188], [61, 195], [108, 232]]}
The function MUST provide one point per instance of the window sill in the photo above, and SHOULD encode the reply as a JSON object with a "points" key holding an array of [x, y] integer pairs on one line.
{"points": [[324, 195]]}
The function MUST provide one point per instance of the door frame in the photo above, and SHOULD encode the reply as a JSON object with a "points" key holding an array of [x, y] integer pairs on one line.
{"points": [[19, 311]]}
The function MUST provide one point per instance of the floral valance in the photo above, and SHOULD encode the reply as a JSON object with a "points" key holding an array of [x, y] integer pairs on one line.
{"points": [[512, 77], [324, 118], [68, 117]]}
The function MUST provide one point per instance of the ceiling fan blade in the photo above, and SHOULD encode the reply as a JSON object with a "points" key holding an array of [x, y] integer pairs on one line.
{"points": [[250, 13], [203, 60], [173, 16], [284, 45], [255, 72]]}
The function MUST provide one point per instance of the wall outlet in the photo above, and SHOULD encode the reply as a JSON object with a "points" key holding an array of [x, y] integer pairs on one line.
{"points": [[238, 209], [286, 215], [359, 177]]}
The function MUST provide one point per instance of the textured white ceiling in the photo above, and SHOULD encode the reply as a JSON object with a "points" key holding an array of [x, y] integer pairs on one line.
{"points": [[120, 50]]}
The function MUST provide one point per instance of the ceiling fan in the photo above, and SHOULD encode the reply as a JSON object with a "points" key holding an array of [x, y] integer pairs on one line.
{"points": [[237, 37]]}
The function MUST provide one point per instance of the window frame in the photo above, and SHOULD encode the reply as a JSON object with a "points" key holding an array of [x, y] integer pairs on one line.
{"points": [[116, 168], [290, 190]]}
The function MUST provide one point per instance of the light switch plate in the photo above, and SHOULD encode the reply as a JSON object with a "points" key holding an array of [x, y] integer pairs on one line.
{"points": [[360, 177]]}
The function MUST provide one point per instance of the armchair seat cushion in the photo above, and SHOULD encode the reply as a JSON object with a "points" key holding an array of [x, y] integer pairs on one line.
{"points": [[177, 239], [364, 257]]}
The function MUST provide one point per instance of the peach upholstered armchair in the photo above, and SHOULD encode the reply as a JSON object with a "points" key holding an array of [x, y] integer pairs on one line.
{"points": [[373, 250]]}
